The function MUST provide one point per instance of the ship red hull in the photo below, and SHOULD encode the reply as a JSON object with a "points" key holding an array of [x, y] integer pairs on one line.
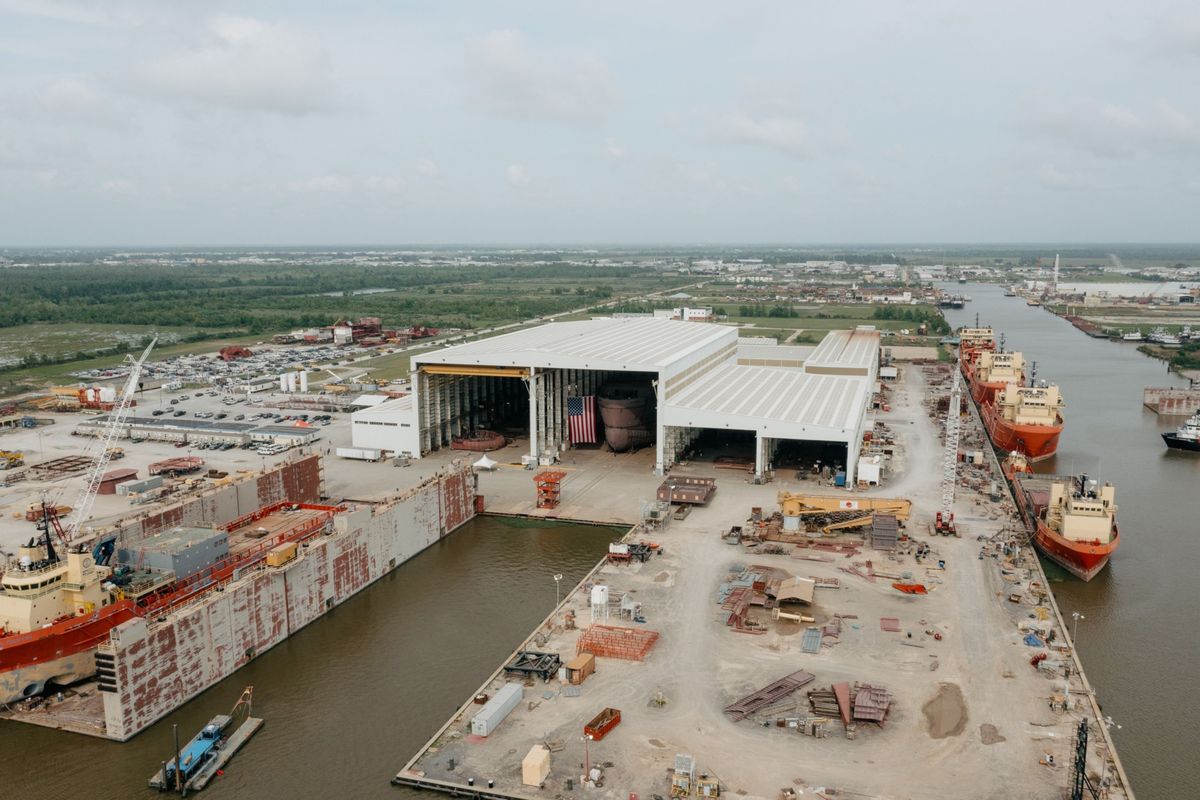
{"points": [[75, 636], [1084, 560], [1035, 442], [984, 392]]}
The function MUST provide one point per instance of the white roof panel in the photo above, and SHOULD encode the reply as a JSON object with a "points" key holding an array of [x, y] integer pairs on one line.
{"points": [[640, 344], [368, 400], [388, 406], [856, 348], [784, 403]]}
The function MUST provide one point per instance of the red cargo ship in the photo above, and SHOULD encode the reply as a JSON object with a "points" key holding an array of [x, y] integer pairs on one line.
{"points": [[990, 371], [1025, 419], [1074, 521], [972, 342]]}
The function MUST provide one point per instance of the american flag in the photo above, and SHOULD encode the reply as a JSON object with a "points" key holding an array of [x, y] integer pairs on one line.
{"points": [[581, 419]]}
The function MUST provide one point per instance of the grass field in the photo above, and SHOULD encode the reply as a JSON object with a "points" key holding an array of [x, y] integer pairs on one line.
{"points": [[56, 340]]}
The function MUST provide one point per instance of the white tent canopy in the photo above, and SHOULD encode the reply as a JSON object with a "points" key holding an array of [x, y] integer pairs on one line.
{"points": [[485, 463]]}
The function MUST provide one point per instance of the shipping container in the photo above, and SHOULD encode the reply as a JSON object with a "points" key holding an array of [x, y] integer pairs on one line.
{"points": [[535, 767], [580, 667], [495, 710], [361, 453], [281, 554], [137, 487]]}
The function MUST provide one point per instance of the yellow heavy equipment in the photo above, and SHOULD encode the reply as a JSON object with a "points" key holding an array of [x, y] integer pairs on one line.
{"points": [[10, 460], [801, 505], [832, 514]]}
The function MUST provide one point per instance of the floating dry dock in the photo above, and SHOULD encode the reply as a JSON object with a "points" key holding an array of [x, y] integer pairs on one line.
{"points": [[971, 690]]}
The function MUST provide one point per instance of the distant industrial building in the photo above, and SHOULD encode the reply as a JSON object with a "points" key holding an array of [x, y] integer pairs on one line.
{"points": [[199, 431], [690, 377]]}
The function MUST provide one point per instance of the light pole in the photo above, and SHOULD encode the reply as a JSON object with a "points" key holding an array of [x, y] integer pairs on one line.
{"points": [[557, 596], [1075, 615], [587, 761]]}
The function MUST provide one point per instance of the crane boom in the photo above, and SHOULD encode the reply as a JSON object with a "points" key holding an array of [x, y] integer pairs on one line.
{"points": [[950, 459], [109, 435]]}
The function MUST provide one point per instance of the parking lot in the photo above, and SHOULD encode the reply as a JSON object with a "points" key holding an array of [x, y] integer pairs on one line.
{"points": [[197, 411], [268, 361]]}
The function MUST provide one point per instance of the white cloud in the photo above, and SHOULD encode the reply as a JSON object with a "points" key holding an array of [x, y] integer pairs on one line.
{"points": [[516, 175], [384, 183], [326, 184], [1052, 177], [613, 149], [1109, 130], [116, 186], [505, 77], [244, 64], [73, 97], [104, 15], [787, 135], [429, 168]]}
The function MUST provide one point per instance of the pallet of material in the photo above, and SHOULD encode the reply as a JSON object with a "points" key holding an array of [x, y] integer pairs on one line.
{"points": [[680, 489]]}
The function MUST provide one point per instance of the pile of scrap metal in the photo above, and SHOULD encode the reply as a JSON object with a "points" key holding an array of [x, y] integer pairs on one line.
{"points": [[863, 702], [767, 587], [768, 696], [532, 662]]}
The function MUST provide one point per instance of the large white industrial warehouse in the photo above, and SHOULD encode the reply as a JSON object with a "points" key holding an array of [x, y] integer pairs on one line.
{"points": [[633, 382]]}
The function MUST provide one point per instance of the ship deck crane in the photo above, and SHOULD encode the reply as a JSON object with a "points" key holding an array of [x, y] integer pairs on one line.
{"points": [[70, 532], [944, 522]]}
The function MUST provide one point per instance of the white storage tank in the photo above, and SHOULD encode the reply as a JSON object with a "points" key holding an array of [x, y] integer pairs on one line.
{"points": [[495, 710], [283, 382], [304, 381], [600, 595]]}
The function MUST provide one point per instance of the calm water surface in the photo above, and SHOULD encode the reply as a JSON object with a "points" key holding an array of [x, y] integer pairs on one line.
{"points": [[1139, 641], [351, 697]]}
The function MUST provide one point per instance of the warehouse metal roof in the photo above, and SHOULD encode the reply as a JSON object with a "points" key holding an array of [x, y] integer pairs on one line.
{"points": [[403, 404], [781, 403], [857, 349], [773, 355], [642, 344]]}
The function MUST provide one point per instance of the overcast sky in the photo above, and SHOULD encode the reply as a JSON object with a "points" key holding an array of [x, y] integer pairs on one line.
{"points": [[587, 122]]}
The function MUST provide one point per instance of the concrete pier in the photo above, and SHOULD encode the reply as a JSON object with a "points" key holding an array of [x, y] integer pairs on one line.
{"points": [[970, 716]]}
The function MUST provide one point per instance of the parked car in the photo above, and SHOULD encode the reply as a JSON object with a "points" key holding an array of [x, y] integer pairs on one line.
{"points": [[179, 413]]}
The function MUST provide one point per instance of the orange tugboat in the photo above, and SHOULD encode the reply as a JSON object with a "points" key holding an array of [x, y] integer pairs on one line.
{"points": [[1026, 419], [991, 371], [1074, 521]]}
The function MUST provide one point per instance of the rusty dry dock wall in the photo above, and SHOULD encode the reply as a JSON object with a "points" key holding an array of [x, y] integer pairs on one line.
{"points": [[296, 481], [161, 664]]}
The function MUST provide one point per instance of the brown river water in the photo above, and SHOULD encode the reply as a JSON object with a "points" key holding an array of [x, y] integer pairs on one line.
{"points": [[350, 698], [1139, 646]]}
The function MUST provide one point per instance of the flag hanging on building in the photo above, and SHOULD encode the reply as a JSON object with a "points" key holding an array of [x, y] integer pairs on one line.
{"points": [[581, 419]]}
